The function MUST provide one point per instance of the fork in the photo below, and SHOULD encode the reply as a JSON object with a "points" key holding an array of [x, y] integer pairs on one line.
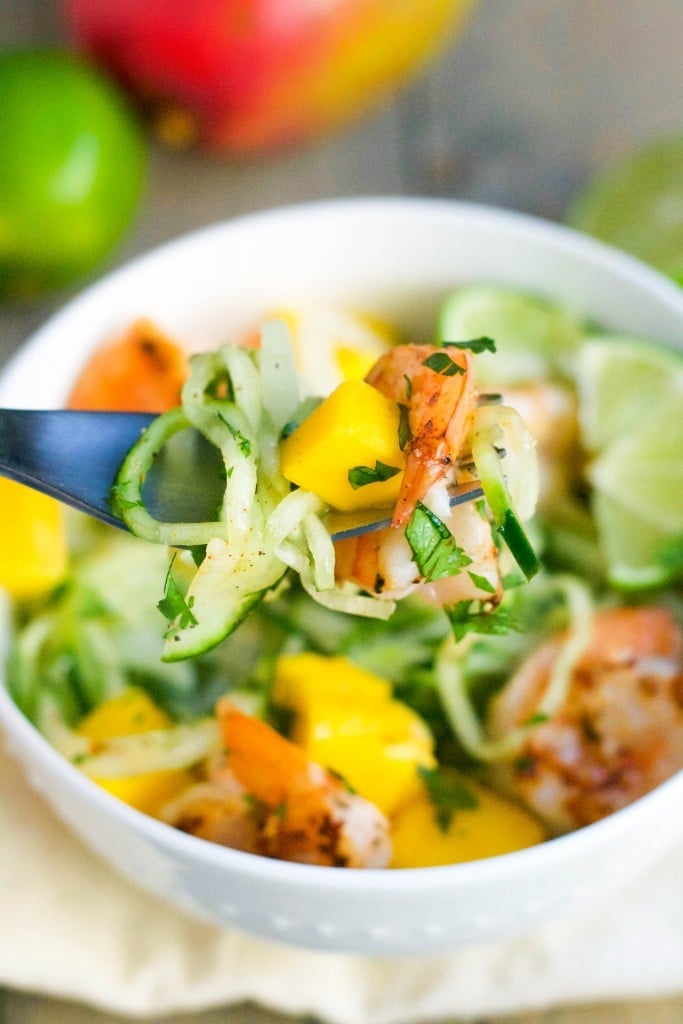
{"points": [[75, 456]]}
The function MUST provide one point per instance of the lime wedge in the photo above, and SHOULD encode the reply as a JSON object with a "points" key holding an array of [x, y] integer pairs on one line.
{"points": [[637, 205], [620, 381], [638, 497], [632, 545], [533, 337]]}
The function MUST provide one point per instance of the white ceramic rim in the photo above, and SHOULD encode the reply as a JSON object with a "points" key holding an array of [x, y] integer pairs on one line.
{"points": [[352, 883]]}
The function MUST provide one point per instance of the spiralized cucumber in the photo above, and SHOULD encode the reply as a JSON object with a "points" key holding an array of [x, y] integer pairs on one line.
{"points": [[239, 400], [504, 455], [450, 674]]}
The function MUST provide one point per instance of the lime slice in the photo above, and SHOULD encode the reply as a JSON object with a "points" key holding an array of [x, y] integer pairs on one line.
{"points": [[638, 498], [620, 380], [637, 205], [632, 545], [532, 336]]}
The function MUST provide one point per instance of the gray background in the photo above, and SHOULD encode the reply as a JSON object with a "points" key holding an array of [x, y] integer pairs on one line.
{"points": [[532, 98]]}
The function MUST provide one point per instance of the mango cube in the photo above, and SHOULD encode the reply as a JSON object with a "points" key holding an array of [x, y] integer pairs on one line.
{"points": [[348, 721], [355, 426], [493, 827], [33, 552], [132, 713], [376, 749], [301, 679], [129, 713]]}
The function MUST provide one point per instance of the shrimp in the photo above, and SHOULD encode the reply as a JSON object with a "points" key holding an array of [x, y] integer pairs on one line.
{"points": [[383, 563], [619, 733], [262, 795], [440, 407], [141, 371]]}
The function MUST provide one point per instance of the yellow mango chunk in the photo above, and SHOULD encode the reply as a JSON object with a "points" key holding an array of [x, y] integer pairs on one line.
{"points": [[376, 749], [495, 826], [303, 678], [33, 552], [149, 792], [355, 426], [348, 721], [354, 363], [129, 713], [132, 713]]}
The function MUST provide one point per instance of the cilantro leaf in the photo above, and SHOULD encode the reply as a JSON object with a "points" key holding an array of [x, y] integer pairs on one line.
{"points": [[475, 345], [442, 364], [434, 547], [538, 718], [173, 605], [405, 434], [361, 476], [447, 793], [481, 582], [302, 412], [473, 617], [243, 443]]}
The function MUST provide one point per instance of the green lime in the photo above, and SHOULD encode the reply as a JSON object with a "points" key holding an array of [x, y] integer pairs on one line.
{"points": [[637, 205], [72, 161], [638, 497], [620, 381], [533, 337]]}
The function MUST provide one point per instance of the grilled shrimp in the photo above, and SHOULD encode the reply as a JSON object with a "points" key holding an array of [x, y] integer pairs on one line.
{"points": [[383, 563], [440, 409], [620, 731], [440, 405], [262, 795]]}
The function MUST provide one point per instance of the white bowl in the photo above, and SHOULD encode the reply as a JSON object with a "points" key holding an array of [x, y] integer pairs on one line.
{"points": [[396, 257]]}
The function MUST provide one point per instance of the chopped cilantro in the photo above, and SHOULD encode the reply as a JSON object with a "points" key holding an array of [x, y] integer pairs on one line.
{"points": [[475, 345], [434, 547], [302, 411], [442, 363], [473, 617], [243, 443], [511, 580], [198, 553], [173, 604], [481, 583], [447, 793], [538, 718], [409, 386], [405, 434], [361, 476]]}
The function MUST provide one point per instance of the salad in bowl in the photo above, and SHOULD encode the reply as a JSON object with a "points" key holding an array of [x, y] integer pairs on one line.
{"points": [[435, 624]]}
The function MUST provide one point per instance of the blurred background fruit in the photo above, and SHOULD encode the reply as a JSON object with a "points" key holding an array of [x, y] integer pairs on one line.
{"points": [[637, 205], [72, 162], [253, 75]]}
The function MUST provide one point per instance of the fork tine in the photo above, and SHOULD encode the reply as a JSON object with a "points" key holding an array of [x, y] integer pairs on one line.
{"points": [[345, 525]]}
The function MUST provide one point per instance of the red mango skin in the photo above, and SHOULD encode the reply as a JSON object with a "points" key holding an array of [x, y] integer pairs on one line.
{"points": [[249, 76]]}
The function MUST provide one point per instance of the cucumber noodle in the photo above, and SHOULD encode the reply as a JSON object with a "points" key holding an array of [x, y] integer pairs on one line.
{"points": [[240, 400], [453, 691]]}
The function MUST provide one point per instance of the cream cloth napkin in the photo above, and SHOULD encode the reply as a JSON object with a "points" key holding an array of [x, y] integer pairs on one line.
{"points": [[71, 927]]}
